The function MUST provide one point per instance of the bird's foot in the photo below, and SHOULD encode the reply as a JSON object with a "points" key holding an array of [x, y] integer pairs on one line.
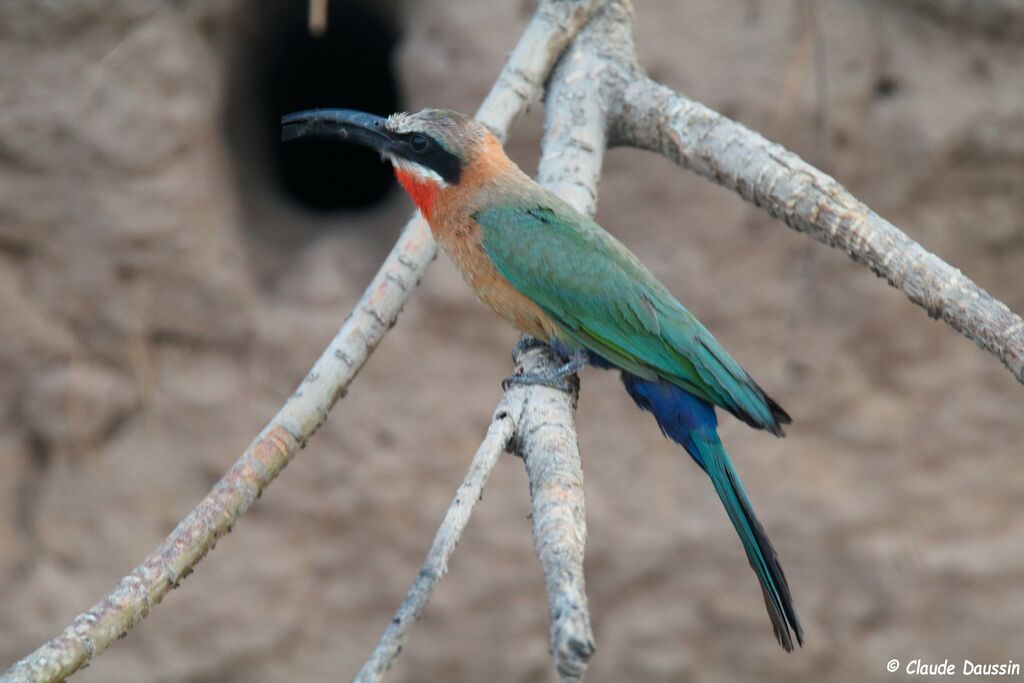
{"points": [[557, 379], [551, 380], [525, 343]]}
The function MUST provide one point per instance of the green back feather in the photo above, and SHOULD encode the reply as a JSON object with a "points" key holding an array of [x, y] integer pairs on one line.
{"points": [[605, 300]]}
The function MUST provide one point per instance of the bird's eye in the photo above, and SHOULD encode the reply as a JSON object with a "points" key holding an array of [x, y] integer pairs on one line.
{"points": [[419, 143]]}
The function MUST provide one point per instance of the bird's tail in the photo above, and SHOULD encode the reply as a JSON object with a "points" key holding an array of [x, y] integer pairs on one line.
{"points": [[691, 422], [760, 552]]}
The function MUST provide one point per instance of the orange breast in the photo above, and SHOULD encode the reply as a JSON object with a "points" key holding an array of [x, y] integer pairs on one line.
{"points": [[461, 241], [449, 211]]}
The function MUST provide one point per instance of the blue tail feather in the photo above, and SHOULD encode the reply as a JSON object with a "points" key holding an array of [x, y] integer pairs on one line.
{"points": [[692, 423]]}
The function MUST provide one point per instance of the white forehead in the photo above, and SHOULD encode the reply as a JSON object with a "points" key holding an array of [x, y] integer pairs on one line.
{"points": [[439, 122], [401, 122]]}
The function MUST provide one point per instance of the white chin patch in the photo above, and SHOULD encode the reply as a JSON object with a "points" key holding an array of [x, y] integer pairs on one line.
{"points": [[422, 172]]}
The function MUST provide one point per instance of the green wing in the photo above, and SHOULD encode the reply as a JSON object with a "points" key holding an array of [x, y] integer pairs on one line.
{"points": [[605, 300]]}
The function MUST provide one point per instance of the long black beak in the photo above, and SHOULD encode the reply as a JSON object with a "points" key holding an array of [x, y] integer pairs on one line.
{"points": [[347, 124]]}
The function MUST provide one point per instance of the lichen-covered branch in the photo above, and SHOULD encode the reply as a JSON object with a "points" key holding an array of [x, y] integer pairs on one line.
{"points": [[654, 117], [93, 631]]}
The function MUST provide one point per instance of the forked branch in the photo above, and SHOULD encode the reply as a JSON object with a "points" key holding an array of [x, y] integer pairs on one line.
{"points": [[599, 96], [814, 203], [499, 435], [91, 632]]}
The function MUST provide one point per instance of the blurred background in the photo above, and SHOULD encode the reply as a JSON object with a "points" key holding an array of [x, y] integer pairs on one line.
{"points": [[168, 273]]}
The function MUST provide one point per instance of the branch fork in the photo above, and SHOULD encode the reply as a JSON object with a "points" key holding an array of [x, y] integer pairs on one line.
{"points": [[598, 95]]}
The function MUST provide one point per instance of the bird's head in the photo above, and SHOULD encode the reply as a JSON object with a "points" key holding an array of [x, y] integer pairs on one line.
{"points": [[431, 150]]}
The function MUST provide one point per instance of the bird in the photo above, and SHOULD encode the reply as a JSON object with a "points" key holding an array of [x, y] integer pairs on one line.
{"points": [[561, 278]]}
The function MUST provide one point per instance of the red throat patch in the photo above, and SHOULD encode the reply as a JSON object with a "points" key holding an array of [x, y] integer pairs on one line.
{"points": [[423, 192]]}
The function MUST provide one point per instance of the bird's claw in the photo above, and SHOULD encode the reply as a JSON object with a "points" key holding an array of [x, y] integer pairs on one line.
{"points": [[559, 379], [556, 381], [525, 343]]}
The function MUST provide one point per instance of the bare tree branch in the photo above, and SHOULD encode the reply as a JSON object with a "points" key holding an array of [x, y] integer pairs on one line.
{"points": [[546, 439], [545, 435], [536, 423], [645, 114], [551, 30], [598, 96], [94, 630], [90, 633], [570, 166], [809, 201], [436, 565]]}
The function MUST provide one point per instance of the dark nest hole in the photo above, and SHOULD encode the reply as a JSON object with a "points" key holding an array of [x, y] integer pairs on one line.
{"points": [[281, 67]]}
